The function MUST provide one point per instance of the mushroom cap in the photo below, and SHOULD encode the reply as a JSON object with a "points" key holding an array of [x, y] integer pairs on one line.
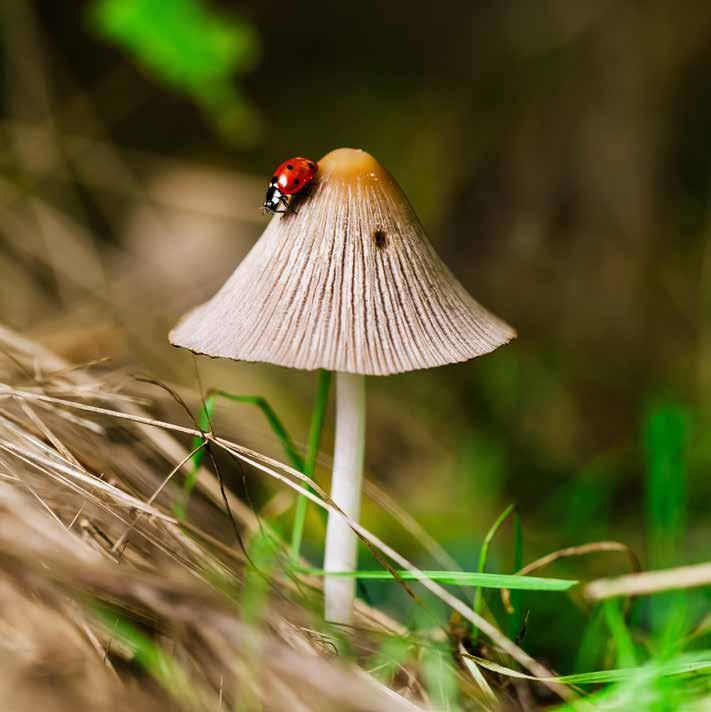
{"points": [[348, 283]]}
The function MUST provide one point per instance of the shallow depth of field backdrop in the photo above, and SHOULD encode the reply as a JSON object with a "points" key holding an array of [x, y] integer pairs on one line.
{"points": [[559, 155]]}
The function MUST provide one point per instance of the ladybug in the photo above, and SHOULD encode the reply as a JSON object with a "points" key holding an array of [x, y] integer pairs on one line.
{"points": [[293, 177]]}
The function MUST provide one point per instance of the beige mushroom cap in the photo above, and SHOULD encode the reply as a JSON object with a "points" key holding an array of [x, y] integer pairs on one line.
{"points": [[350, 283]]}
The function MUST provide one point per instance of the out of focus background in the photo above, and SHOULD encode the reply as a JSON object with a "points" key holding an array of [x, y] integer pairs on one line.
{"points": [[559, 155]]}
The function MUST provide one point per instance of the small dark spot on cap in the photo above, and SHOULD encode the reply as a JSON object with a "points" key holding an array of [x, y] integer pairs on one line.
{"points": [[296, 181], [289, 166], [380, 239], [274, 180]]}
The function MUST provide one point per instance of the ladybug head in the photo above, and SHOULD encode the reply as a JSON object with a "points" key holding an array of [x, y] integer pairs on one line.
{"points": [[272, 198]]}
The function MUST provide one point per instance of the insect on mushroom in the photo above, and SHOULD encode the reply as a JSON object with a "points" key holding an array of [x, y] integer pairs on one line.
{"points": [[293, 177], [312, 294]]}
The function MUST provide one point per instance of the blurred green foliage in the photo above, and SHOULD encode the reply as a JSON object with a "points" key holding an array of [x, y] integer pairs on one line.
{"points": [[145, 652], [626, 656], [192, 49], [666, 435]]}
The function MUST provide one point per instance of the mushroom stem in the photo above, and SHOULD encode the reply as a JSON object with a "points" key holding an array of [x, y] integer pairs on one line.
{"points": [[346, 485]]}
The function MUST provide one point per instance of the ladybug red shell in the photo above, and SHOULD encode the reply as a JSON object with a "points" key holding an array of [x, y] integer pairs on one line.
{"points": [[293, 175], [290, 178]]}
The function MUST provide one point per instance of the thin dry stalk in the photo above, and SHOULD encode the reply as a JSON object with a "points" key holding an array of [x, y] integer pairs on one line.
{"points": [[581, 550], [649, 582]]}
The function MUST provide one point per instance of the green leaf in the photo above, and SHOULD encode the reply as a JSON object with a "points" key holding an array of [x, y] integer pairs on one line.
{"points": [[683, 664], [677, 683], [390, 657], [185, 45], [587, 678], [440, 678], [292, 453], [516, 619], [156, 661], [458, 578], [306, 465], [254, 592], [626, 655], [666, 436], [181, 41], [592, 641], [309, 465], [205, 423], [483, 555]]}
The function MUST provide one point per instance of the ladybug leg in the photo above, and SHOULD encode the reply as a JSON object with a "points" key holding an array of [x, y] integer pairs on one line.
{"points": [[288, 207], [298, 197]]}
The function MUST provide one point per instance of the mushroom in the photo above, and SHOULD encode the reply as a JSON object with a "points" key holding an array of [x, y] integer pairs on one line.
{"points": [[350, 283]]}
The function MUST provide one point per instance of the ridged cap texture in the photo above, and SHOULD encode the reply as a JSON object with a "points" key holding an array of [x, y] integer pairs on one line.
{"points": [[348, 283]]}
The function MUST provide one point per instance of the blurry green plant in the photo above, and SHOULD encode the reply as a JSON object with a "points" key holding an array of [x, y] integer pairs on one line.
{"points": [[305, 464], [440, 678], [516, 619], [666, 436], [483, 555], [624, 647], [205, 423], [666, 433], [145, 652], [680, 683], [254, 593], [390, 657], [190, 48]]}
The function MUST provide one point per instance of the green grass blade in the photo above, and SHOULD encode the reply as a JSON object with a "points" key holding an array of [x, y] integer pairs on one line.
{"points": [[150, 656], [587, 678], [392, 655], [699, 661], [306, 465], [440, 678], [516, 619], [626, 655], [666, 434], [254, 592], [317, 417], [457, 578], [483, 555], [592, 641], [275, 424], [205, 423]]}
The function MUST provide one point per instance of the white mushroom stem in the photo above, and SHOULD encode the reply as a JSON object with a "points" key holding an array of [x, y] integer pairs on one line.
{"points": [[346, 485]]}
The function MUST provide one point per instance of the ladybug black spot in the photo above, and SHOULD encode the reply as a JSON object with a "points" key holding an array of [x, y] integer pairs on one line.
{"points": [[380, 239], [296, 181], [290, 167], [312, 166]]}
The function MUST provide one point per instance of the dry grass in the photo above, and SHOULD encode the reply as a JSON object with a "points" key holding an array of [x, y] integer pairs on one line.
{"points": [[111, 601], [74, 488], [648, 582]]}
